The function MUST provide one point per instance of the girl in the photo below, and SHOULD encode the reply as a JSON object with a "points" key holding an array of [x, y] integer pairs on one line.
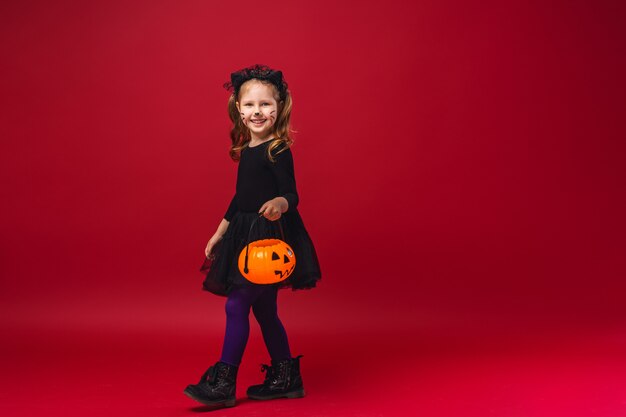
{"points": [[260, 109]]}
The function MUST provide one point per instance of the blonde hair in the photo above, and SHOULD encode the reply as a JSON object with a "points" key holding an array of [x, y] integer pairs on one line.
{"points": [[240, 134]]}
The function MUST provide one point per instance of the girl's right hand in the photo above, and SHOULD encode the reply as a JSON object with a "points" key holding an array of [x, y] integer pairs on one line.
{"points": [[209, 247]]}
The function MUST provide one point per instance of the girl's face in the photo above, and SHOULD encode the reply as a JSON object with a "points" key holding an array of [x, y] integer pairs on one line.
{"points": [[258, 108]]}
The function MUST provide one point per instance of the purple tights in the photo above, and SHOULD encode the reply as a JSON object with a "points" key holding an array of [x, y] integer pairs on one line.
{"points": [[262, 299]]}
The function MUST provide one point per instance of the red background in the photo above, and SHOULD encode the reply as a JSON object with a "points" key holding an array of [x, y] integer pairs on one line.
{"points": [[460, 167]]}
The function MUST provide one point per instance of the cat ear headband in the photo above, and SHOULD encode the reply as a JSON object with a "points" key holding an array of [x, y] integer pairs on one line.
{"points": [[258, 72]]}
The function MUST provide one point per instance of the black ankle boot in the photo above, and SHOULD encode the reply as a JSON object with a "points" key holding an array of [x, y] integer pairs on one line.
{"points": [[216, 387], [282, 380]]}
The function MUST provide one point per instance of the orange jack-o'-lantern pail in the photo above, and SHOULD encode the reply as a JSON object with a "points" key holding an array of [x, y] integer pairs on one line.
{"points": [[266, 261]]}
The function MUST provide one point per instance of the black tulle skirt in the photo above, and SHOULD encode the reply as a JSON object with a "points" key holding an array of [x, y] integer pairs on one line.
{"points": [[222, 272]]}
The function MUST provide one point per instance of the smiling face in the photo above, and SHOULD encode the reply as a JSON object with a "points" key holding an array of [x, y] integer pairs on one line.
{"points": [[258, 108]]}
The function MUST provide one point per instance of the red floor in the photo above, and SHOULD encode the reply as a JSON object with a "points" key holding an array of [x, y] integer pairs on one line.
{"points": [[429, 372]]}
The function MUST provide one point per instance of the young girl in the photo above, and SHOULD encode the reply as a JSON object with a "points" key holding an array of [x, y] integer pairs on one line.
{"points": [[260, 108]]}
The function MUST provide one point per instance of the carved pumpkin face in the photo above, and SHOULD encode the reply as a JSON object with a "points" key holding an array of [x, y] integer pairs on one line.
{"points": [[269, 261]]}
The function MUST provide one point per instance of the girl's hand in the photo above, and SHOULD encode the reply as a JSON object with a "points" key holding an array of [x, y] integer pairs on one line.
{"points": [[210, 246], [272, 210]]}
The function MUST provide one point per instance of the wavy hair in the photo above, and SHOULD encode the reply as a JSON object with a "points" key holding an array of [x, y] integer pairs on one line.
{"points": [[240, 134]]}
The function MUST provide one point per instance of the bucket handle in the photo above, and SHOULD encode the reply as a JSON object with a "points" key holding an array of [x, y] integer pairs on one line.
{"points": [[282, 235]]}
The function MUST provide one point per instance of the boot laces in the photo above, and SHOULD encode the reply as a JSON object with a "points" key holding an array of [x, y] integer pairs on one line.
{"points": [[214, 373], [280, 370], [275, 372], [210, 375], [269, 374]]}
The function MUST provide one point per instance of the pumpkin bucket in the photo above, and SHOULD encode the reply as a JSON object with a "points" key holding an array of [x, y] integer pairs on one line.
{"points": [[266, 261]]}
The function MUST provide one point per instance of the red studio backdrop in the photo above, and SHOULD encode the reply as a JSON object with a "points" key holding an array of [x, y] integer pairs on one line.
{"points": [[461, 171]]}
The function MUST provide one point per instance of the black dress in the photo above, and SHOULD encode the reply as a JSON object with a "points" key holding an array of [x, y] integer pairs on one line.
{"points": [[258, 181]]}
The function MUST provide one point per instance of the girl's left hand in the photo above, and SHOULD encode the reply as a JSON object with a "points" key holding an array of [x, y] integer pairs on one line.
{"points": [[271, 210]]}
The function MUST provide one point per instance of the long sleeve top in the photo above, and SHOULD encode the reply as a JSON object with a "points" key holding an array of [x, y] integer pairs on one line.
{"points": [[259, 180]]}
